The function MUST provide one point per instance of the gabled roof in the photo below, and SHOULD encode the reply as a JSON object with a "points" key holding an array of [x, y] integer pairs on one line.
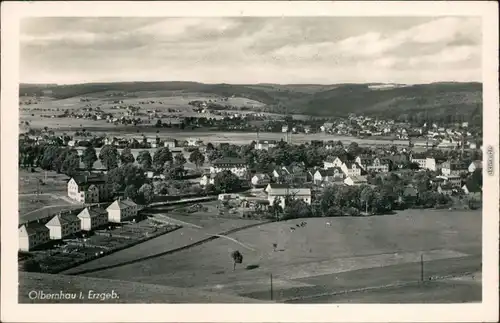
{"points": [[349, 164], [34, 228], [277, 186], [472, 187], [121, 204], [92, 212], [358, 179], [84, 180], [478, 163], [289, 191], [273, 142], [229, 160], [261, 176], [62, 219]]}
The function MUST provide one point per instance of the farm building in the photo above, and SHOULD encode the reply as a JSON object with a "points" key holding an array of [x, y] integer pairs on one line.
{"points": [[281, 192]]}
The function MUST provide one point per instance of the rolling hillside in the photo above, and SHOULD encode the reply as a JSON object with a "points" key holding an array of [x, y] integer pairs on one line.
{"points": [[435, 99]]}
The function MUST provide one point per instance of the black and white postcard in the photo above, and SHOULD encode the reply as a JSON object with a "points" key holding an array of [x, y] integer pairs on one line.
{"points": [[250, 161]]}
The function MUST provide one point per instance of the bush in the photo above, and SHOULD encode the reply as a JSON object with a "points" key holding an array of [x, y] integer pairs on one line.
{"points": [[31, 265], [351, 211]]}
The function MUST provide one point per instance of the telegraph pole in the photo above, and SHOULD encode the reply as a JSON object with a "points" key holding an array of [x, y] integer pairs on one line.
{"points": [[271, 276], [422, 267]]}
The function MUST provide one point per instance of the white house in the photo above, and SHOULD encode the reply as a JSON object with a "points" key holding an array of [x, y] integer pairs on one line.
{"points": [[351, 168], [194, 142], [266, 144], [284, 128], [121, 210], [63, 225], [327, 175], [260, 180], [333, 162], [281, 192], [88, 189], [355, 180], [453, 168], [237, 166], [476, 164], [379, 165], [92, 218], [32, 235], [207, 179], [419, 159], [170, 143]]}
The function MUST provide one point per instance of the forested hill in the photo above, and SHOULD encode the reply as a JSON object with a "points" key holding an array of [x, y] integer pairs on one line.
{"points": [[435, 99]]}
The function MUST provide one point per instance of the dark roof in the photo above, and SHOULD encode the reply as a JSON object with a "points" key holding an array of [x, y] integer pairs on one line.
{"points": [[473, 187], [327, 172], [273, 185], [229, 160], [89, 179], [267, 141], [35, 227]]}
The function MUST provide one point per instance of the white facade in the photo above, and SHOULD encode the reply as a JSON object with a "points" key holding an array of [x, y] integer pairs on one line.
{"points": [[30, 238], [355, 180], [207, 180], [303, 194], [475, 165], [87, 193], [121, 210], [337, 162], [61, 226], [91, 219], [351, 169]]}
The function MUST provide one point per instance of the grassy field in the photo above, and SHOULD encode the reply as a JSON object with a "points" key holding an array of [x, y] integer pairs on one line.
{"points": [[128, 292], [309, 260], [54, 183]]}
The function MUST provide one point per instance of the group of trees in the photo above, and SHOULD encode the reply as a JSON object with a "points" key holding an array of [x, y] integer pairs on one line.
{"points": [[354, 201]]}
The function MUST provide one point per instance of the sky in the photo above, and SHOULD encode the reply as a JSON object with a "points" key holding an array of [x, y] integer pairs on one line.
{"points": [[285, 50]]}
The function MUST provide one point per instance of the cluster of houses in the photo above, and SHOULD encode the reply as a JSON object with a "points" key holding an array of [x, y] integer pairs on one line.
{"points": [[67, 224], [337, 170]]}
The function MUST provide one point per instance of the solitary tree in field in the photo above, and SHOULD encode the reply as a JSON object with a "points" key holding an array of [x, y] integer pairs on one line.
{"points": [[237, 258], [89, 157]]}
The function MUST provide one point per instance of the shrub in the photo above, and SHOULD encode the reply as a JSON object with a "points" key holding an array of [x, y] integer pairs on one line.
{"points": [[31, 265]]}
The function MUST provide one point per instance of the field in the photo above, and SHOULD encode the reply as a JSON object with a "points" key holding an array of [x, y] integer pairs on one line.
{"points": [[51, 199], [195, 227], [128, 292], [319, 258]]}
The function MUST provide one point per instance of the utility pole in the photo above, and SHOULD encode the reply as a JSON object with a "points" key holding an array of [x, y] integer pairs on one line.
{"points": [[422, 267], [271, 276]]}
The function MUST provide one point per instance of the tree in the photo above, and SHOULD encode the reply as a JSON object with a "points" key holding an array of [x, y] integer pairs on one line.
{"points": [[276, 208], [131, 192], [366, 196], [226, 181], [32, 265], [237, 258], [121, 177], [126, 156], [71, 163], [144, 159], [197, 158], [180, 160], [109, 157], [146, 194], [89, 157], [160, 157]]}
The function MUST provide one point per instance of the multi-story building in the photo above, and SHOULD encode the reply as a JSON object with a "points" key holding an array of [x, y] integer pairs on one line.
{"points": [[266, 144], [32, 235], [379, 165], [88, 189], [282, 192], [121, 210], [351, 168], [454, 168], [63, 225], [92, 218], [235, 165]]}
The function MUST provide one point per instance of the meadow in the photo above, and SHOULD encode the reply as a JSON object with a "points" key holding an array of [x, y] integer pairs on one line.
{"points": [[312, 259]]}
